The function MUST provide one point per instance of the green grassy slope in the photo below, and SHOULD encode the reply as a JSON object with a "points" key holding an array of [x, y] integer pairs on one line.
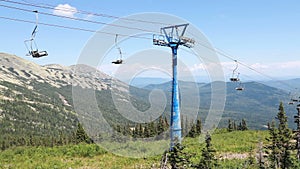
{"points": [[236, 143]]}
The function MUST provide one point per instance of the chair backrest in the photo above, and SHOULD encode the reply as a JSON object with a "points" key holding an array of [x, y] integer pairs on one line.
{"points": [[119, 61], [38, 54]]}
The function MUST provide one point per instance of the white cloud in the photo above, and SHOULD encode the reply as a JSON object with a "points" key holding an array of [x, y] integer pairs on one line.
{"points": [[289, 65], [259, 66], [65, 10], [197, 67], [272, 69]]}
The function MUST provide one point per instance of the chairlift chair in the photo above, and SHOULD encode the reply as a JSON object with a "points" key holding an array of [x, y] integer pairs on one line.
{"points": [[240, 87], [33, 50], [234, 77], [119, 60], [38, 54], [290, 102], [31, 44], [293, 98], [159, 40]]}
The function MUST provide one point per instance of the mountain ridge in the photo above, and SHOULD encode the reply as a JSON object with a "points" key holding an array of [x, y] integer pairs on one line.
{"points": [[258, 103], [45, 92], [14, 69], [36, 101]]}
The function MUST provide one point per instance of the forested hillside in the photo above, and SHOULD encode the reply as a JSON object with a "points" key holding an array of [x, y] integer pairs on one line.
{"points": [[37, 109]]}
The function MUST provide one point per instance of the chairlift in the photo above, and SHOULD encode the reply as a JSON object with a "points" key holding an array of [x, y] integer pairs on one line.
{"points": [[240, 87], [290, 103], [119, 60], [293, 98], [187, 42], [235, 77], [31, 44], [159, 40]]}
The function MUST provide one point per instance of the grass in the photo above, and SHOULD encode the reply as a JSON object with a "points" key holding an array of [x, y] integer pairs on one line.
{"points": [[92, 156], [137, 149], [234, 143], [238, 141], [70, 156]]}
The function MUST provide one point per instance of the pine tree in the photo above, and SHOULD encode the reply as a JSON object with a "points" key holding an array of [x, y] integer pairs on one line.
{"points": [[230, 126], [234, 125], [208, 160], [279, 151], [81, 136], [126, 130], [3, 145], [284, 137], [152, 130], [134, 132], [140, 131], [198, 127], [146, 132], [240, 126], [244, 125], [118, 128], [21, 141], [272, 149], [60, 139], [193, 132], [160, 126], [178, 158], [31, 141], [52, 141]]}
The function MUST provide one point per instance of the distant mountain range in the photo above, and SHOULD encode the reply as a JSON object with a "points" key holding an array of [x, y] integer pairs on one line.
{"points": [[145, 81], [258, 103], [37, 100], [291, 85]]}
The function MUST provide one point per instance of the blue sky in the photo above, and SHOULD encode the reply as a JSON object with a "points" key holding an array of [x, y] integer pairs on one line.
{"points": [[263, 34]]}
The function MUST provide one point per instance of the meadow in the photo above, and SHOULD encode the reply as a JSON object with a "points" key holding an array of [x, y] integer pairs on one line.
{"points": [[233, 150]]}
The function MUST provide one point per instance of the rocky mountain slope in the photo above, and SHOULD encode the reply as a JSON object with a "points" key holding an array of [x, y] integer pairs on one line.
{"points": [[37, 100], [22, 72]]}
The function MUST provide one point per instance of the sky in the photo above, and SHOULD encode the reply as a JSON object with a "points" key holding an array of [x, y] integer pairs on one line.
{"points": [[264, 35]]}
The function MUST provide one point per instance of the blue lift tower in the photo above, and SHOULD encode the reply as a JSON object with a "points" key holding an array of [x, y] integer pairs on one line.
{"points": [[173, 37]]}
